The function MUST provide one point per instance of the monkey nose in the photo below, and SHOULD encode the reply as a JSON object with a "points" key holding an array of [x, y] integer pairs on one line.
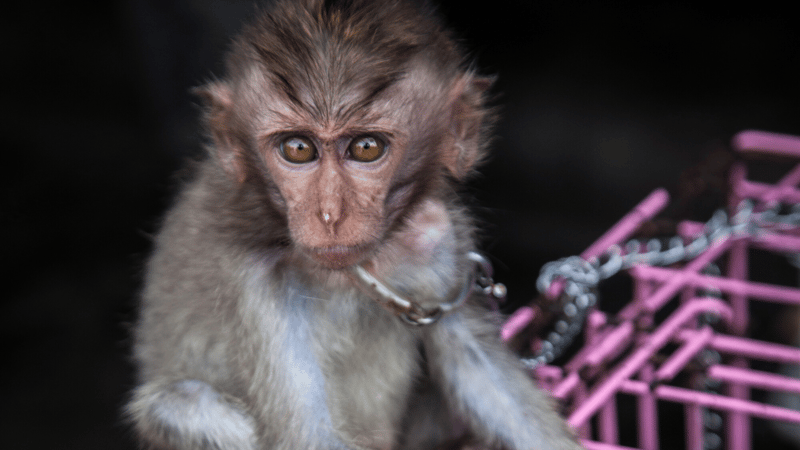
{"points": [[330, 219]]}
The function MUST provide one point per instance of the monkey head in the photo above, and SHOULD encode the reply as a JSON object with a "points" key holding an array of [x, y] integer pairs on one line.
{"points": [[346, 130]]}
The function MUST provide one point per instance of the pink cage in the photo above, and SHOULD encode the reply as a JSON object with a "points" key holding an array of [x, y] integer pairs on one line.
{"points": [[682, 339]]}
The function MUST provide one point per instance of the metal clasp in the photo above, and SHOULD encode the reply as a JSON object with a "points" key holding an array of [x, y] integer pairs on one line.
{"points": [[412, 312]]}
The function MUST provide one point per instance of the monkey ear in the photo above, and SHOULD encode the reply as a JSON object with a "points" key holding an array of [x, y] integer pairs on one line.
{"points": [[471, 119], [217, 98]]}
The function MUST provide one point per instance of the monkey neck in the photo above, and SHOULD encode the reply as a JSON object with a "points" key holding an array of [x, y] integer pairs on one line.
{"points": [[425, 264], [412, 311]]}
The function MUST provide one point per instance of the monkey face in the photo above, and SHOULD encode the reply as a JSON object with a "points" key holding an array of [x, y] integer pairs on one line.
{"points": [[334, 186]]}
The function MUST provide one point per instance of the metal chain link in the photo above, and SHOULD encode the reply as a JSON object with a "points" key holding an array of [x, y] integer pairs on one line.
{"points": [[479, 279], [581, 277]]}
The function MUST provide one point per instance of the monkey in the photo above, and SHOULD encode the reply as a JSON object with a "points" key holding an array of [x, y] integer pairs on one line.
{"points": [[338, 139]]}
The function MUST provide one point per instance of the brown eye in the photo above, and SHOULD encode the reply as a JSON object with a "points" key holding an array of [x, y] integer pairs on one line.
{"points": [[366, 149], [298, 150]]}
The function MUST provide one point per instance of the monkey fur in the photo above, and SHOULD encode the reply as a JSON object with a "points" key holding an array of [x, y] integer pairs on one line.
{"points": [[338, 136]]}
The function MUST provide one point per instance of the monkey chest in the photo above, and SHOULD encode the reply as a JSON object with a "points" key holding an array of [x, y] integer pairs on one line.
{"points": [[370, 376]]}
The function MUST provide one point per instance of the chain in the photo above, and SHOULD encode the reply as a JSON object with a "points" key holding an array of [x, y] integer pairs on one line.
{"points": [[581, 277], [479, 280]]}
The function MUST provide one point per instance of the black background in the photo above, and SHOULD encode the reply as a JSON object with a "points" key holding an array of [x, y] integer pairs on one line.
{"points": [[602, 102]]}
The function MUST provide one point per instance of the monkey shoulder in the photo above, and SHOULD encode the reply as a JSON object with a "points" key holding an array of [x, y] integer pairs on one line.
{"points": [[190, 289]]}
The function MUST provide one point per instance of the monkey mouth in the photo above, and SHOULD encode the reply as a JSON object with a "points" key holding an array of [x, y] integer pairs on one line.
{"points": [[339, 256]]}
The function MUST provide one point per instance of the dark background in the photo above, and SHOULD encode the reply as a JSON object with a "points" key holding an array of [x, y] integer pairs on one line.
{"points": [[602, 103]]}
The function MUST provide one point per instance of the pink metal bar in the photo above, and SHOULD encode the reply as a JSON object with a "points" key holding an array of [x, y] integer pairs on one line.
{"points": [[623, 229], [648, 413], [552, 373], [754, 378], [596, 319], [638, 335], [752, 141], [516, 322], [738, 430], [645, 210], [690, 229], [594, 332], [671, 286], [594, 445], [762, 291], [563, 389], [683, 355], [754, 189], [786, 182], [607, 423], [784, 187], [764, 351], [634, 363], [595, 322], [548, 376], [602, 348], [597, 332], [695, 432], [642, 290], [777, 242], [611, 344], [581, 394], [721, 402]]}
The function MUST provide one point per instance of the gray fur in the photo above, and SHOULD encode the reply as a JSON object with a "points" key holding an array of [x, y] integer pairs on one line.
{"points": [[245, 342]]}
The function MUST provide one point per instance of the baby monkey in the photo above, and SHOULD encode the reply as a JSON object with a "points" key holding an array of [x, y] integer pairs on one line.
{"points": [[338, 137]]}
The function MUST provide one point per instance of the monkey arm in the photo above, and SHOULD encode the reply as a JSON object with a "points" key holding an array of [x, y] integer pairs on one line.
{"points": [[180, 412], [486, 384], [190, 414]]}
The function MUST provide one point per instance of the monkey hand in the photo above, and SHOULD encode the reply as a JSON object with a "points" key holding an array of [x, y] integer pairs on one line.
{"points": [[190, 414], [422, 260]]}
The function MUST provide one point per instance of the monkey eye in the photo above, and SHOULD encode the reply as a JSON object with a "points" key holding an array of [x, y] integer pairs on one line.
{"points": [[366, 148], [298, 150]]}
